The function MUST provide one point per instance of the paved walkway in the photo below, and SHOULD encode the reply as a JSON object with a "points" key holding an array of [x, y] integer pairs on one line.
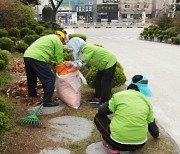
{"points": [[70, 128]]}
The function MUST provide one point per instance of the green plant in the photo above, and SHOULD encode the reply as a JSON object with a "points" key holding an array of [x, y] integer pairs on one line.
{"points": [[3, 104], [2, 64], [29, 39], [47, 32], [3, 32], [175, 40], [67, 56], [4, 59], [6, 43], [31, 32], [15, 32], [39, 29], [24, 31], [119, 77], [70, 36], [160, 38], [4, 123], [21, 47], [36, 37]]}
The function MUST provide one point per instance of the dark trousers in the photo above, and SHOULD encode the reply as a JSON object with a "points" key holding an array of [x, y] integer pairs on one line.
{"points": [[103, 83], [102, 123], [37, 69]]}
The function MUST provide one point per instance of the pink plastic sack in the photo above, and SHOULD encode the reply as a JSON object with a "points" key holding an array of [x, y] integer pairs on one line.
{"points": [[68, 88]]}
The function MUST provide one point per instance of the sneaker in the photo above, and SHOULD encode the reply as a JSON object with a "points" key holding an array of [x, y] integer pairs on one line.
{"points": [[97, 105], [50, 104], [93, 100], [109, 148]]}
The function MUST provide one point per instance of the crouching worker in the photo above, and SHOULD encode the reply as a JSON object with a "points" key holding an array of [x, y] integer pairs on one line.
{"points": [[133, 117], [36, 59], [102, 59]]}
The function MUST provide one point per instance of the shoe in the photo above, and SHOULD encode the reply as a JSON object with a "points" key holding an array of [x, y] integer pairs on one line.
{"points": [[50, 104], [109, 148], [97, 105], [93, 100]]}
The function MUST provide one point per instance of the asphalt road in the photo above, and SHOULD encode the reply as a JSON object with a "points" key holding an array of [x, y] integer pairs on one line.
{"points": [[160, 62]]}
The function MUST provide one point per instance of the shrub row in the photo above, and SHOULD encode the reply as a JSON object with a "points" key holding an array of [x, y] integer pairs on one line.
{"points": [[4, 120], [170, 35], [4, 60]]}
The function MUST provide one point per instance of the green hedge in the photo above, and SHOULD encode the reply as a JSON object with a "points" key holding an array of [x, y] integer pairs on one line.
{"points": [[118, 80], [70, 36], [4, 120], [4, 60], [6, 43]]}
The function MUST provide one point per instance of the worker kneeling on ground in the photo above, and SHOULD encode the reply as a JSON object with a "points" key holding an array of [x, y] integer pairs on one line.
{"points": [[132, 118]]}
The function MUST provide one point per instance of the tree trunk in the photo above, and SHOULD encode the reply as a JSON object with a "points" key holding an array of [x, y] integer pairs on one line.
{"points": [[55, 8]]}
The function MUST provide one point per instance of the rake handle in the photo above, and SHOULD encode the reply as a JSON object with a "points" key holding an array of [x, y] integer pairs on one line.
{"points": [[37, 110]]}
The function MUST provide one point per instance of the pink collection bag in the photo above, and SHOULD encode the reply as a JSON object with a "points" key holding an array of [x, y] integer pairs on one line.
{"points": [[68, 85]]}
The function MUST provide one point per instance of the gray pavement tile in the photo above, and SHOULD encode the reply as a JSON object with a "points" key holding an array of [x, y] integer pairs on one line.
{"points": [[97, 148], [54, 151], [70, 128]]}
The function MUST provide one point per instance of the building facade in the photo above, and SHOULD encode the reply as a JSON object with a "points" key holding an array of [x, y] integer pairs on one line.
{"points": [[135, 9]]}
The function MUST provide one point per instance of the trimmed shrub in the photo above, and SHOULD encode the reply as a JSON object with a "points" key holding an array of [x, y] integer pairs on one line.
{"points": [[3, 33], [24, 31], [47, 32], [14, 32], [176, 40], [6, 43], [31, 32], [4, 56], [70, 36], [4, 60], [4, 123], [36, 37], [39, 29], [2, 64], [14, 39], [160, 38], [119, 77], [29, 39], [3, 104], [21, 47]]}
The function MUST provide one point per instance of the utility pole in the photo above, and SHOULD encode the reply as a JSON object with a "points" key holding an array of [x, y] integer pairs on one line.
{"points": [[174, 9]]}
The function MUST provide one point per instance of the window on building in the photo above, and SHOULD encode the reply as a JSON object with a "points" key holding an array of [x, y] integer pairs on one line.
{"points": [[124, 15], [146, 6], [87, 9], [80, 9], [126, 6], [137, 6], [90, 8]]}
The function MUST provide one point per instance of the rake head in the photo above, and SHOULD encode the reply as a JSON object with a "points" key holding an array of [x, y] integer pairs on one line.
{"points": [[30, 120]]}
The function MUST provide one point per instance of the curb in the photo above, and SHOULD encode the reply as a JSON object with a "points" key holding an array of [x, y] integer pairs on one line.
{"points": [[87, 27]]}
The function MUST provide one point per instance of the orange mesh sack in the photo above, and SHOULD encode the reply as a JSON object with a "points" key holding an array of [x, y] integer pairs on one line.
{"points": [[68, 86]]}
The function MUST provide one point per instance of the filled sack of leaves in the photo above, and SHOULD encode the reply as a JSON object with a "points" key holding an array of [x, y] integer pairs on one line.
{"points": [[68, 85]]}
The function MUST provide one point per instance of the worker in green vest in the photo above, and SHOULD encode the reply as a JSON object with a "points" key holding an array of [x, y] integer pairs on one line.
{"points": [[100, 58], [36, 59], [132, 118]]}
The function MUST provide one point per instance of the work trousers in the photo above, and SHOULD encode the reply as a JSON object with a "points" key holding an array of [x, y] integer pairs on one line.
{"points": [[102, 123], [103, 83], [41, 70]]}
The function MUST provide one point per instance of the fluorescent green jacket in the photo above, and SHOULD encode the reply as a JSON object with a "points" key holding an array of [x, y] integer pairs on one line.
{"points": [[45, 49], [97, 56], [132, 113]]}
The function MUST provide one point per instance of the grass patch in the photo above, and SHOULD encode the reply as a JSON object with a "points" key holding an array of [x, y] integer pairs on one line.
{"points": [[5, 78]]}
